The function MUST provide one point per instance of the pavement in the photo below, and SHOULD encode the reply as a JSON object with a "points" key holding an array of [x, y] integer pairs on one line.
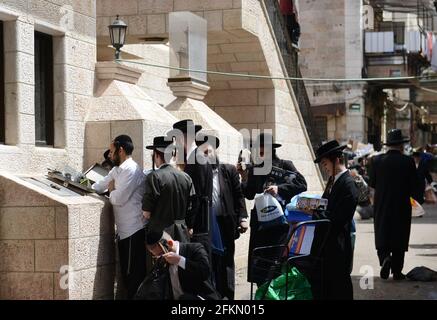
{"points": [[422, 252], [365, 275]]}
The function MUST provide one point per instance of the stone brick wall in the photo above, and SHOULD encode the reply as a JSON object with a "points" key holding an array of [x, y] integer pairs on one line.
{"points": [[331, 47], [73, 27], [153, 80], [40, 233]]}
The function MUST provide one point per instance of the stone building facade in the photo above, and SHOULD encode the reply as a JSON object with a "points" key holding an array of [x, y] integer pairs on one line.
{"points": [[46, 231], [331, 46]]}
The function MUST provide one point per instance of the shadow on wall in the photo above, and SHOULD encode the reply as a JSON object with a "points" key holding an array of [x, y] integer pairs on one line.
{"points": [[105, 279]]}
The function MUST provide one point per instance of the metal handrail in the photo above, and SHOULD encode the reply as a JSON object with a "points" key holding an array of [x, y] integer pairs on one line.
{"points": [[291, 60]]}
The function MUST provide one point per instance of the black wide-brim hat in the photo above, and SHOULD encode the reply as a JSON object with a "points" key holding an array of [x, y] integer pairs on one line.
{"points": [[153, 237], [327, 149], [260, 141], [417, 152], [184, 126], [207, 138], [160, 143], [395, 137]]}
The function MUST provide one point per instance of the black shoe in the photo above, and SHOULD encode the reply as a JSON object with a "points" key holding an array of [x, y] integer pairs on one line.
{"points": [[398, 276], [385, 270]]}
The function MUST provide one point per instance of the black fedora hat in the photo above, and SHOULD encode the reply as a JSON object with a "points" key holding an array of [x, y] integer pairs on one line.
{"points": [[417, 152], [153, 237], [185, 125], [395, 137], [207, 138], [328, 148], [160, 143], [262, 138]]}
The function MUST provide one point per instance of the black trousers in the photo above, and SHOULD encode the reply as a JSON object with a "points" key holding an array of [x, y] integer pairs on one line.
{"points": [[223, 274], [397, 259], [132, 254]]}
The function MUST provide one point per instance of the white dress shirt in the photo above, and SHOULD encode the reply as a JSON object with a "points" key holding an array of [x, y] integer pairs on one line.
{"points": [[174, 275], [192, 148], [216, 191], [338, 175], [127, 197]]}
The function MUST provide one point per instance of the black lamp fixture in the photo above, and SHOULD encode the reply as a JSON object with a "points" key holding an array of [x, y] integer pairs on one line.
{"points": [[117, 32]]}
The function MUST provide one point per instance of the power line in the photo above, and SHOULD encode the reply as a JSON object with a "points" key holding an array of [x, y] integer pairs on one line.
{"points": [[250, 76]]}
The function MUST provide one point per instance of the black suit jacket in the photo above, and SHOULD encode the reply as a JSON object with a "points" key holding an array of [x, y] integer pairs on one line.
{"points": [[423, 177], [232, 202], [201, 175], [194, 279], [255, 184], [342, 202], [275, 235], [167, 197], [338, 253]]}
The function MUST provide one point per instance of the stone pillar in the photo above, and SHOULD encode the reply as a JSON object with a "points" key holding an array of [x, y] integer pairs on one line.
{"points": [[19, 82]]}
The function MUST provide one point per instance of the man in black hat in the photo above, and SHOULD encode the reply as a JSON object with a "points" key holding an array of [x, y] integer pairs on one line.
{"points": [[342, 194], [423, 175], [196, 165], [254, 183], [189, 268], [229, 216], [168, 194], [393, 176]]}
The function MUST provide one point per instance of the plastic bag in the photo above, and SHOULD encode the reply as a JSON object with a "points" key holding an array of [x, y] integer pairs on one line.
{"points": [[430, 195], [298, 287], [416, 209], [157, 285], [269, 211], [422, 274]]}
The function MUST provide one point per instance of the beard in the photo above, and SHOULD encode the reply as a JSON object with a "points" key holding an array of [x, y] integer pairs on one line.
{"points": [[214, 161], [116, 160]]}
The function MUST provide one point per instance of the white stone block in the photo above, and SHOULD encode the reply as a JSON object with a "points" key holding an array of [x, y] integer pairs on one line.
{"points": [[18, 36], [19, 67], [232, 19], [156, 24], [155, 6], [215, 20], [20, 97], [112, 7], [77, 80], [137, 25], [26, 128], [193, 5]]}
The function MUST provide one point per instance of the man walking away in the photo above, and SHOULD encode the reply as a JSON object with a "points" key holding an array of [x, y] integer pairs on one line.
{"points": [[393, 176], [125, 183]]}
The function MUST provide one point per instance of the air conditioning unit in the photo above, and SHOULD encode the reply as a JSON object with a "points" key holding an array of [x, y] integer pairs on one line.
{"points": [[368, 18]]}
